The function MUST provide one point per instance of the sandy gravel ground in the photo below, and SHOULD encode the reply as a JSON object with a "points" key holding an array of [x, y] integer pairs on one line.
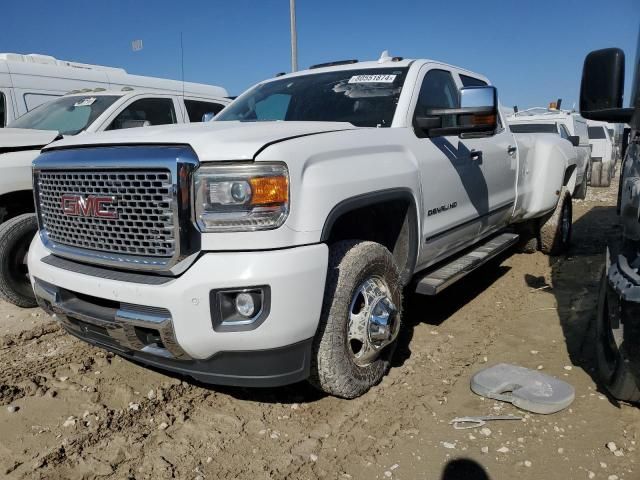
{"points": [[70, 410]]}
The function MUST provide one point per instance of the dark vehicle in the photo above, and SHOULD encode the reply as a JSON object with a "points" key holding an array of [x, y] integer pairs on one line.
{"points": [[618, 319]]}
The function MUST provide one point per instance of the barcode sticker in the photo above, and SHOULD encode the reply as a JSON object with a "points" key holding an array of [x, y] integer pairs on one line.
{"points": [[85, 102], [372, 79]]}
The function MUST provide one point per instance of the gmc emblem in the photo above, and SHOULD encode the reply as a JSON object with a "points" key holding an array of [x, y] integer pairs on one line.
{"points": [[89, 206]]}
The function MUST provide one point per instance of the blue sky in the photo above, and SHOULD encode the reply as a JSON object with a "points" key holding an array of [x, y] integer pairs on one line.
{"points": [[531, 50]]}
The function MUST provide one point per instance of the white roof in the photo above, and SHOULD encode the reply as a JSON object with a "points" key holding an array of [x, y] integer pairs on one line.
{"points": [[49, 60]]}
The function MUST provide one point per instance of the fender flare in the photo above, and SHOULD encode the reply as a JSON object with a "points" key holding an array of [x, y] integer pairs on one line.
{"points": [[376, 197]]}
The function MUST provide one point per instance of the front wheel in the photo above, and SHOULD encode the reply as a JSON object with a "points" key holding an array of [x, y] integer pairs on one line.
{"points": [[15, 237], [360, 319]]}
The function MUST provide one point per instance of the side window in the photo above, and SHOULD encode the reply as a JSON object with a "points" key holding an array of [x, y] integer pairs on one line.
{"points": [[196, 109], [145, 112], [564, 133], [3, 111], [468, 81], [438, 90]]}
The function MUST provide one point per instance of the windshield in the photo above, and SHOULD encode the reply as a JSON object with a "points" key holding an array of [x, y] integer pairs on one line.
{"points": [[597, 133], [67, 115], [534, 128], [365, 98]]}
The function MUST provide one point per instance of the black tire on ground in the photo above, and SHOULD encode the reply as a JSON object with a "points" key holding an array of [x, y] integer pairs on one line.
{"points": [[581, 191], [612, 366], [334, 367], [15, 237], [555, 232]]}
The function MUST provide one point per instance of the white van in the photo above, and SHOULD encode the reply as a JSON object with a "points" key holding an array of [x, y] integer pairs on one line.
{"points": [[602, 151], [27, 81], [567, 124]]}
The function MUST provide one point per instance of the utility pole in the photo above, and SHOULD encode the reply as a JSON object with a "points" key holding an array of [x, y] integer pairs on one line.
{"points": [[294, 36]]}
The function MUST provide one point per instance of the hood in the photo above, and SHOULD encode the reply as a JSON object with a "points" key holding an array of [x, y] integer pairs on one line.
{"points": [[16, 139], [211, 140]]}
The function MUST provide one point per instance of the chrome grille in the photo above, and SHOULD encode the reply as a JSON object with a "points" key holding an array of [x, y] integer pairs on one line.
{"points": [[143, 199]]}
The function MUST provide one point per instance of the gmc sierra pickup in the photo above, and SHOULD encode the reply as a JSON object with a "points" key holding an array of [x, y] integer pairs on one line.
{"points": [[273, 244]]}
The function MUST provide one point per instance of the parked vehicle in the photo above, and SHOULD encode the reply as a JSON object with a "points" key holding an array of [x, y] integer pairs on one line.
{"points": [[602, 153], [27, 81], [79, 113], [272, 244], [618, 320], [570, 126]]}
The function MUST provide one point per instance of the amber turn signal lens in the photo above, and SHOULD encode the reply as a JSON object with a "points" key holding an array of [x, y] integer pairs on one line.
{"points": [[269, 190], [484, 119]]}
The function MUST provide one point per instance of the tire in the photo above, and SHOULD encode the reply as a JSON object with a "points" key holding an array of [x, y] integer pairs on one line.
{"points": [[596, 173], [581, 192], [555, 232], [605, 178], [346, 362], [15, 237], [612, 367], [601, 174]]}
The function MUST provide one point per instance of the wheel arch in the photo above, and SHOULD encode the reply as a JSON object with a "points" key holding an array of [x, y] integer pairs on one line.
{"points": [[353, 218]]}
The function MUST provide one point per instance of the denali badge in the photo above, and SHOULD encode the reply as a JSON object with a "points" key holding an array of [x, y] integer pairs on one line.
{"points": [[89, 206]]}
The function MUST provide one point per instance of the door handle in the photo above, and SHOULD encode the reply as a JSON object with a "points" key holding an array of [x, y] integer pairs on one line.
{"points": [[511, 149]]}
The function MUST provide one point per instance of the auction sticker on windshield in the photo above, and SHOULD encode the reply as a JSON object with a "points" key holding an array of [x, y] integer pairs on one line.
{"points": [[85, 102], [372, 79]]}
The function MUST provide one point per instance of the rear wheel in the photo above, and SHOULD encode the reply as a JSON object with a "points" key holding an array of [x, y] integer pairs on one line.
{"points": [[555, 232], [581, 191], [15, 237], [612, 365], [360, 319]]}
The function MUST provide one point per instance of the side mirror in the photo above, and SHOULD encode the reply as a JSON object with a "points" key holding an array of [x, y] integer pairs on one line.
{"points": [[207, 117], [478, 114], [602, 86], [575, 140]]}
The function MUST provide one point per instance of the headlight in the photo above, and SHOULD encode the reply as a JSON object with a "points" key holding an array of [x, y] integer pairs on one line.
{"points": [[241, 197]]}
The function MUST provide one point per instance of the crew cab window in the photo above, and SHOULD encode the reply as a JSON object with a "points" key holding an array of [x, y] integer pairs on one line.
{"points": [[196, 109], [3, 111], [468, 81], [533, 128], [597, 133], [145, 112], [438, 90]]}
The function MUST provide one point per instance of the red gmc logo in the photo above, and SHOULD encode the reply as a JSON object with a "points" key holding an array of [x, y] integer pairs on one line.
{"points": [[89, 206]]}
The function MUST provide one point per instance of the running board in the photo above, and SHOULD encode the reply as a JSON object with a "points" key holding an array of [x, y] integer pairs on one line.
{"points": [[437, 280]]}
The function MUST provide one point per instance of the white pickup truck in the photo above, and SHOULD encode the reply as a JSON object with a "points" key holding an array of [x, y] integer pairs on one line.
{"points": [[89, 111], [273, 244]]}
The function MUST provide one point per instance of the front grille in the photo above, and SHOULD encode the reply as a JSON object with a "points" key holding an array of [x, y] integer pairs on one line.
{"points": [[143, 200]]}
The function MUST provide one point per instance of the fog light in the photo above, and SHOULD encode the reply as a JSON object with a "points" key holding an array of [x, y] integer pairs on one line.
{"points": [[239, 308], [245, 305]]}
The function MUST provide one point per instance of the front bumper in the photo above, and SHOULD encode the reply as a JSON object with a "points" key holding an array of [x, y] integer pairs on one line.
{"points": [[169, 324]]}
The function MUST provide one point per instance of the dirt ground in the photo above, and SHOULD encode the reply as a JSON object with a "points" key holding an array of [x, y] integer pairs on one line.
{"points": [[83, 413]]}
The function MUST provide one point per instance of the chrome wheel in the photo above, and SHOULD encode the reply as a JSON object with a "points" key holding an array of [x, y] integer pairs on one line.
{"points": [[372, 321]]}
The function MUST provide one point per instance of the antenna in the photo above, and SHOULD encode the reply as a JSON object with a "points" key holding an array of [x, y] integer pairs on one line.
{"points": [[182, 63], [294, 36]]}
